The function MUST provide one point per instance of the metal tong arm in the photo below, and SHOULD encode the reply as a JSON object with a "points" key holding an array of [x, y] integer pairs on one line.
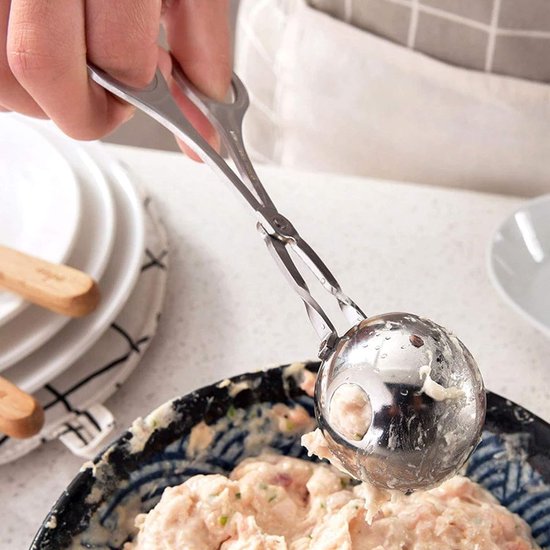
{"points": [[157, 101], [227, 119]]}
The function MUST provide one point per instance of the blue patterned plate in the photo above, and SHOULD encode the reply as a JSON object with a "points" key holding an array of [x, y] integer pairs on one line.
{"points": [[98, 507]]}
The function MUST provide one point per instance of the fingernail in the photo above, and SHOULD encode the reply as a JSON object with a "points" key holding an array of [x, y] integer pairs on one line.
{"points": [[131, 111]]}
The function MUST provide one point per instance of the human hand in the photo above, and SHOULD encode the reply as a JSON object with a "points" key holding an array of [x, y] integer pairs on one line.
{"points": [[47, 44]]}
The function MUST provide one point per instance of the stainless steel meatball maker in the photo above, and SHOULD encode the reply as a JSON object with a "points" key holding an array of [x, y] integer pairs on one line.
{"points": [[403, 363]]}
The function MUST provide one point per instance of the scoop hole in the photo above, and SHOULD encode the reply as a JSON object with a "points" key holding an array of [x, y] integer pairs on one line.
{"points": [[350, 412]]}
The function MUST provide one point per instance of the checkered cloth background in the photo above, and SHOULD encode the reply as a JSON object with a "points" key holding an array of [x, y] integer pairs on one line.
{"points": [[508, 37]]}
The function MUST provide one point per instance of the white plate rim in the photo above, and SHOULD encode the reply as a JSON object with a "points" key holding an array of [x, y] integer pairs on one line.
{"points": [[493, 277], [84, 398], [18, 304], [45, 323], [80, 345]]}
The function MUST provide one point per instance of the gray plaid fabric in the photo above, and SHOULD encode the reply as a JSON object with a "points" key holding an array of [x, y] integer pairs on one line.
{"points": [[509, 37]]}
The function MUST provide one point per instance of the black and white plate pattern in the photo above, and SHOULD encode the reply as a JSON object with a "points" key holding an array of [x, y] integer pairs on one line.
{"points": [[72, 401]]}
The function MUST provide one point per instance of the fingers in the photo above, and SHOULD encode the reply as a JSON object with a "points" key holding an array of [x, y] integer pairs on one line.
{"points": [[43, 65], [12, 94], [122, 36], [199, 38], [46, 52]]}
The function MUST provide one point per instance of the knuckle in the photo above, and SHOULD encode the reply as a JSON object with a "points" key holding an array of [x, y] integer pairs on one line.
{"points": [[25, 62], [28, 58]]}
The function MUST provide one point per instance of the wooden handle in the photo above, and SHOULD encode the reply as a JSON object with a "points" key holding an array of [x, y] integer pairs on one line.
{"points": [[57, 287], [20, 414]]}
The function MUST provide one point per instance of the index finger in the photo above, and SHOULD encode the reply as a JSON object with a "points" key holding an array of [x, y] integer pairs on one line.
{"points": [[46, 50]]}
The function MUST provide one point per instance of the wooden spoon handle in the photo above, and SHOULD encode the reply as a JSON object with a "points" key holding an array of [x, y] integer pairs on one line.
{"points": [[21, 415], [57, 287]]}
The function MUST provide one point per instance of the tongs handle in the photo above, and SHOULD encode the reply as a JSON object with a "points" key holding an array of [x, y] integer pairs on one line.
{"points": [[156, 101], [227, 119]]}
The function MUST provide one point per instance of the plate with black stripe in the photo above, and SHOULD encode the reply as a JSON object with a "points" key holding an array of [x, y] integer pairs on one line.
{"points": [[512, 461]]}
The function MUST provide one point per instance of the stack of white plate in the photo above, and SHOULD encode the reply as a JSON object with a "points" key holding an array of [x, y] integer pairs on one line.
{"points": [[70, 202]]}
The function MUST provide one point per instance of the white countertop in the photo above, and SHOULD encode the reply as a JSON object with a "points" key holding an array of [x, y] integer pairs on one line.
{"points": [[228, 309]]}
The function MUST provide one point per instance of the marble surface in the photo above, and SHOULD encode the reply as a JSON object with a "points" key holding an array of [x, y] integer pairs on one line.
{"points": [[228, 309]]}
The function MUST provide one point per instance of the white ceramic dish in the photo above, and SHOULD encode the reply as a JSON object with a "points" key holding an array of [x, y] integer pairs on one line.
{"points": [[519, 262], [33, 326], [99, 372], [119, 279], [40, 206]]}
